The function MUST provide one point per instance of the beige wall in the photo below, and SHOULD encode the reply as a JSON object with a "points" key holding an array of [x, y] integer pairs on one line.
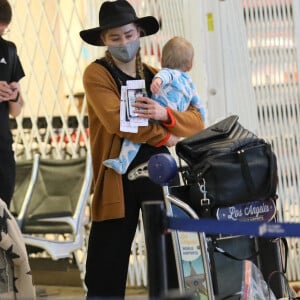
{"points": [[49, 46]]}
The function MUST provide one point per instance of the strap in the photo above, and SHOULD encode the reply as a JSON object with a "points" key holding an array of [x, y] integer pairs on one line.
{"points": [[273, 169], [246, 171], [286, 249], [271, 188], [120, 77], [103, 62], [227, 254]]}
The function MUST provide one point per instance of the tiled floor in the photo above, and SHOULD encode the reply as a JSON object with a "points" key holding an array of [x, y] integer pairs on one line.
{"points": [[58, 280], [77, 293], [45, 292], [53, 283], [59, 292]]}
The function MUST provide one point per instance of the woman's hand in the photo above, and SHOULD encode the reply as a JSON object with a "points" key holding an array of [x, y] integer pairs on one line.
{"points": [[172, 141], [148, 108]]}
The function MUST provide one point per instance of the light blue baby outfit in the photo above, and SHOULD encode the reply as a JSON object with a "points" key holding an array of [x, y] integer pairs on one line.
{"points": [[177, 92]]}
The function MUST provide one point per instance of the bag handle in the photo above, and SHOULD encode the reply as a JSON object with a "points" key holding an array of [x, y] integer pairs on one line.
{"points": [[246, 170], [247, 174], [273, 170], [229, 255]]}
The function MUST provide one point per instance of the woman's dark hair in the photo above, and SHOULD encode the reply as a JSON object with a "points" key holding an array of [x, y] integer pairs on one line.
{"points": [[5, 12]]}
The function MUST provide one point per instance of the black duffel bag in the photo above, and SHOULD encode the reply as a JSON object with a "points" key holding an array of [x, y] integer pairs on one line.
{"points": [[230, 163]]}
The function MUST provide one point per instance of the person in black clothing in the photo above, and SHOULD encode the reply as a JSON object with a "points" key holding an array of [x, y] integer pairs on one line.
{"points": [[117, 200], [11, 102]]}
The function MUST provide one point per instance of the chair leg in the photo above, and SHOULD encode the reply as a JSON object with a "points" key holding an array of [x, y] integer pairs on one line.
{"points": [[80, 255]]}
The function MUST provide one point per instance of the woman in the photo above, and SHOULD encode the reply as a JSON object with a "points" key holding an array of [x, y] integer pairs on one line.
{"points": [[116, 201], [172, 86]]}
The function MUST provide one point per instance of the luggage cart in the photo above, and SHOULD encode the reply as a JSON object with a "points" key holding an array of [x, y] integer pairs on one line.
{"points": [[198, 269], [190, 249]]}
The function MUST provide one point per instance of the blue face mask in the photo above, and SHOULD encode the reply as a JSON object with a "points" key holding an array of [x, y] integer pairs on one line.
{"points": [[125, 53]]}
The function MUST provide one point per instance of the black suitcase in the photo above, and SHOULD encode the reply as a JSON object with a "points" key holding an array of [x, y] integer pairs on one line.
{"points": [[227, 267]]}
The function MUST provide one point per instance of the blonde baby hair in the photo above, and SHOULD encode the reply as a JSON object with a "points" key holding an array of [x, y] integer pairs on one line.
{"points": [[177, 53]]}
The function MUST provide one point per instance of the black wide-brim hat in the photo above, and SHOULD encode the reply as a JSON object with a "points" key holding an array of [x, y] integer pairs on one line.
{"points": [[114, 14]]}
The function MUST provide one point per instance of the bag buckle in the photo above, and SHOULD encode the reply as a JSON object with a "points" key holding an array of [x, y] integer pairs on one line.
{"points": [[202, 187]]}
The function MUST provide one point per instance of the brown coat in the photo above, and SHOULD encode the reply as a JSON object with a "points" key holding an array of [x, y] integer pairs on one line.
{"points": [[103, 100]]}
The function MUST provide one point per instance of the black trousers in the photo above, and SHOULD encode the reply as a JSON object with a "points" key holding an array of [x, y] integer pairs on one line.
{"points": [[110, 241], [7, 175]]}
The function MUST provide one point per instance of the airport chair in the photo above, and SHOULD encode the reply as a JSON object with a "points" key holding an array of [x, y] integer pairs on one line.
{"points": [[26, 172], [55, 218]]}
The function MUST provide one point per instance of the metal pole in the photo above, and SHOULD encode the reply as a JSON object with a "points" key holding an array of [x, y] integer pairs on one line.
{"points": [[153, 217]]}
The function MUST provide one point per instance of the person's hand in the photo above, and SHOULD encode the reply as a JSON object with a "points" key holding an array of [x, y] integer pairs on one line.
{"points": [[148, 108], [15, 88], [155, 85], [8, 91], [172, 141]]}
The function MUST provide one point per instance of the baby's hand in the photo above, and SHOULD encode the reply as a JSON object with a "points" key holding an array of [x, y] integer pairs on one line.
{"points": [[155, 85]]}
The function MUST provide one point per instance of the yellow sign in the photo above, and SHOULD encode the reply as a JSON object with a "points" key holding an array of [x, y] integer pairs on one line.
{"points": [[210, 22]]}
